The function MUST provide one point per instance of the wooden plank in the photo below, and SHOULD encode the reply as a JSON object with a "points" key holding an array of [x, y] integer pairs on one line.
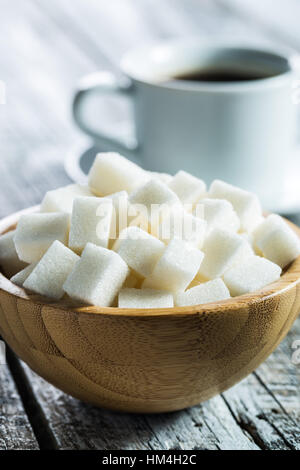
{"points": [[60, 42], [269, 405], [15, 430], [37, 114], [252, 415], [249, 416], [36, 131], [75, 425], [106, 28], [110, 29], [76, 22], [281, 379], [211, 21], [278, 19]]}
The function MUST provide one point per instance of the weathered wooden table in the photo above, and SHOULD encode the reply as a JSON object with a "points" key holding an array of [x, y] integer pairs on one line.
{"points": [[44, 48]]}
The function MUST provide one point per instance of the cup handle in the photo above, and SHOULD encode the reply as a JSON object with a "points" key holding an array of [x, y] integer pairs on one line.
{"points": [[104, 83]]}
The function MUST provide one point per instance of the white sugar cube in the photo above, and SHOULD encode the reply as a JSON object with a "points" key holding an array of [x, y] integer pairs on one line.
{"points": [[90, 222], [163, 177], [154, 192], [276, 240], [61, 199], [245, 204], [252, 275], [211, 291], [36, 232], [221, 250], [9, 260], [249, 239], [176, 268], [145, 298], [152, 199], [139, 250], [97, 277], [188, 188], [218, 213], [50, 273], [136, 219], [183, 226], [111, 173], [21, 276]]}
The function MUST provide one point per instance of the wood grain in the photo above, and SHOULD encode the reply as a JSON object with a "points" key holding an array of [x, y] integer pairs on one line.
{"points": [[46, 47], [261, 412], [15, 430], [153, 360], [76, 425]]}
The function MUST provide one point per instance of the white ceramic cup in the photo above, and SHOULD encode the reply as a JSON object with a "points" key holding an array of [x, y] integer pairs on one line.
{"points": [[242, 131]]}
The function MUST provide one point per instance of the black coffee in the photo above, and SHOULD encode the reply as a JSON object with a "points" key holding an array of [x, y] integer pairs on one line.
{"points": [[222, 75]]}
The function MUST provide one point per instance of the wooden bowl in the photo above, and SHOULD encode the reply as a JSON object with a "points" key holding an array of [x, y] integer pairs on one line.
{"points": [[147, 360]]}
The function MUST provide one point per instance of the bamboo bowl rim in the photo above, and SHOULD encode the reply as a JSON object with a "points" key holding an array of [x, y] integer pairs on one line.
{"points": [[289, 279]]}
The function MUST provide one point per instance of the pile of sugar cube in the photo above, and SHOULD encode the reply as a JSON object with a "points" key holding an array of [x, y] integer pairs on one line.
{"points": [[138, 239]]}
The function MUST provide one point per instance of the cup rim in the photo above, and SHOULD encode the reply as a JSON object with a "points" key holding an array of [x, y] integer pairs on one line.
{"points": [[129, 59]]}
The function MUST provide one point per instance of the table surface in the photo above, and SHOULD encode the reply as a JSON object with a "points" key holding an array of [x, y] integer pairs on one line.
{"points": [[45, 47]]}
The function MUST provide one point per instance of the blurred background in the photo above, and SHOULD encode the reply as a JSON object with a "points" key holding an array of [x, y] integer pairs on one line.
{"points": [[45, 47]]}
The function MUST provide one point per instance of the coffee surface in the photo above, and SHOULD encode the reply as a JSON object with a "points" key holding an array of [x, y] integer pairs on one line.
{"points": [[220, 75]]}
